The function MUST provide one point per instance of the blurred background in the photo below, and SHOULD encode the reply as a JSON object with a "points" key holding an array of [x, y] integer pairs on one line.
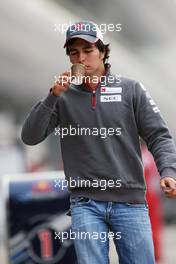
{"points": [[31, 54]]}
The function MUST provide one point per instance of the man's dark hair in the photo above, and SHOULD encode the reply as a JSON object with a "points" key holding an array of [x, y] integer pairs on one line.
{"points": [[99, 44]]}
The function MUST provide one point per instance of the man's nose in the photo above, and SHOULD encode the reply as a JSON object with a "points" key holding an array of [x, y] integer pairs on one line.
{"points": [[81, 57]]}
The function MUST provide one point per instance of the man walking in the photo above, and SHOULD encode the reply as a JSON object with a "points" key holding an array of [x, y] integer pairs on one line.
{"points": [[99, 123]]}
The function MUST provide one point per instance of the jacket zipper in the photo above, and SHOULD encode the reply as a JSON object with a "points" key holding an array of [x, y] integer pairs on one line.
{"points": [[94, 99]]}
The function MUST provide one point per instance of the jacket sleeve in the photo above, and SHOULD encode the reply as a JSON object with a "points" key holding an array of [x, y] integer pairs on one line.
{"points": [[153, 129], [41, 121]]}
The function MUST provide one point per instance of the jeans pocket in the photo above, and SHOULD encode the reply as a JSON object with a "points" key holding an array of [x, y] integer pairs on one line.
{"points": [[138, 205]]}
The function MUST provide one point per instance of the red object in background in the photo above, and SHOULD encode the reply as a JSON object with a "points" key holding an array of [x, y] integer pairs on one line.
{"points": [[153, 196]]}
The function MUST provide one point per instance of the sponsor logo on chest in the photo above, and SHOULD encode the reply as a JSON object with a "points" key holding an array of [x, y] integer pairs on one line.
{"points": [[111, 94]]}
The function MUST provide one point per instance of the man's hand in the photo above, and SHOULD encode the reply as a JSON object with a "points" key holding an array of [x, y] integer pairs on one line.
{"points": [[168, 186], [61, 84]]}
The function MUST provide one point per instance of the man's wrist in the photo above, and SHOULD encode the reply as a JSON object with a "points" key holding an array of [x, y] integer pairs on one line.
{"points": [[50, 101]]}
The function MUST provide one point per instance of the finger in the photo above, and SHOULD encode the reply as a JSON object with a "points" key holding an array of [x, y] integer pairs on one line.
{"points": [[66, 79], [66, 86], [162, 183], [171, 184], [167, 190], [62, 81], [61, 77]]}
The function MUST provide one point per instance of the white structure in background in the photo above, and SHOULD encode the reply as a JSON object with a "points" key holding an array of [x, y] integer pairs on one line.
{"points": [[11, 156]]}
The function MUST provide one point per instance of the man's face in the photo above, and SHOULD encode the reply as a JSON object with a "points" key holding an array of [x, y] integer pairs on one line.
{"points": [[86, 53]]}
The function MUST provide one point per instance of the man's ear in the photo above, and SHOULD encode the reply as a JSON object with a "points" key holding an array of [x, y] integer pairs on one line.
{"points": [[102, 54]]}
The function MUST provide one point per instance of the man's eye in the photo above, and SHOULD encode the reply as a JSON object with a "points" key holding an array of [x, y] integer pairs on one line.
{"points": [[73, 52]]}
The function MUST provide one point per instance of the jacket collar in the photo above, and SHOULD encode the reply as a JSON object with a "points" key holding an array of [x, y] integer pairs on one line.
{"points": [[88, 88]]}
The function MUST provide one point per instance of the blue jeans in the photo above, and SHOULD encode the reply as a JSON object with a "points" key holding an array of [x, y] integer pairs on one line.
{"points": [[94, 223]]}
